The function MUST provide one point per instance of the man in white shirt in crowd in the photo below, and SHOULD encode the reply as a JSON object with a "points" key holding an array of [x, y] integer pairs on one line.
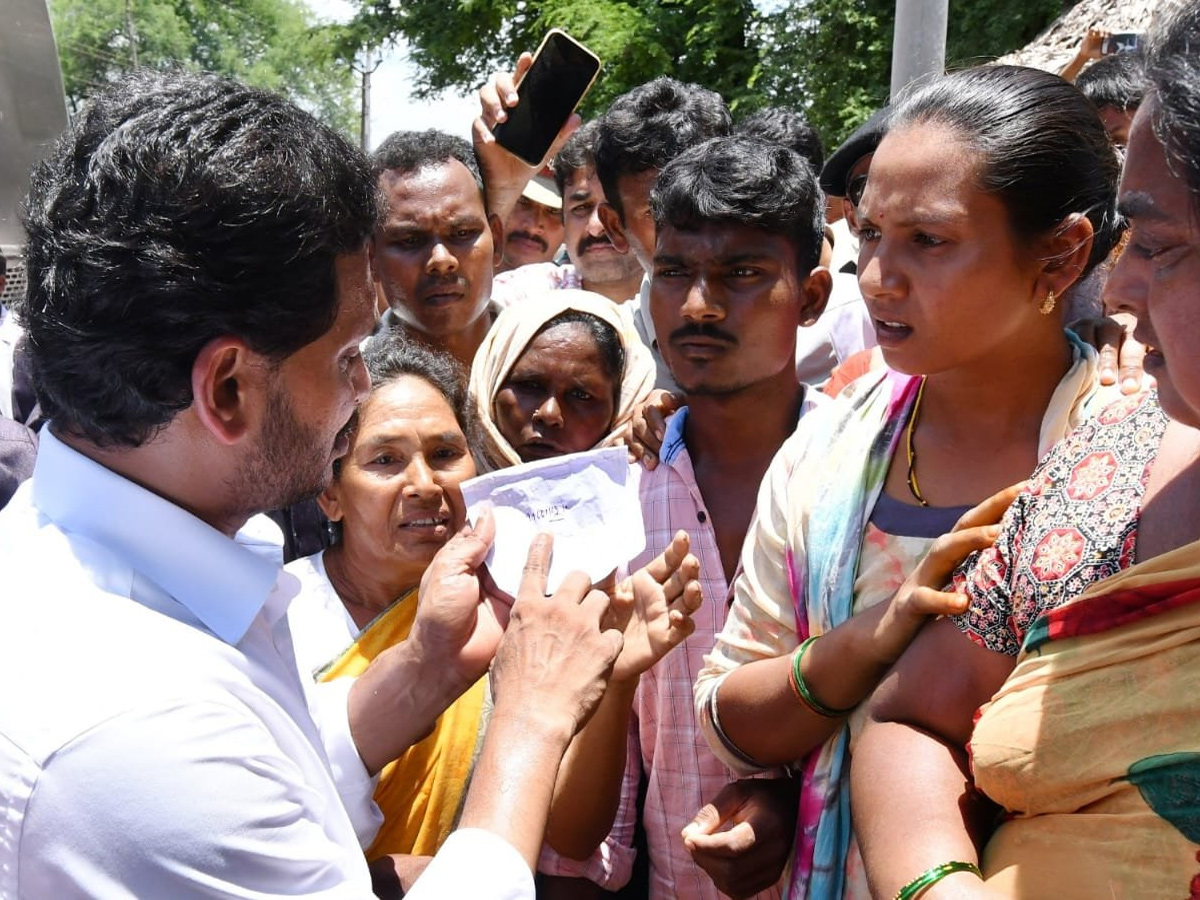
{"points": [[199, 286], [595, 264]]}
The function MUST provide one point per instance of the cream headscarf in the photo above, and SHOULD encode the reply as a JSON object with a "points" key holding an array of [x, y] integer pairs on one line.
{"points": [[511, 333]]}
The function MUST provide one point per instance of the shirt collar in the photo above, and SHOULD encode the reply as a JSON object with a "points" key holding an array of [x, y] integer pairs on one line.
{"points": [[672, 444], [222, 583]]}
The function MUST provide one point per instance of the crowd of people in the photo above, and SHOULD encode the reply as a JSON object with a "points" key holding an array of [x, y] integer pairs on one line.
{"points": [[916, 613]]}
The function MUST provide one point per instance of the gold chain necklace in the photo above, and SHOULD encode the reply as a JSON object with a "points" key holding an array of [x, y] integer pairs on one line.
{"points": [[913, 487]]}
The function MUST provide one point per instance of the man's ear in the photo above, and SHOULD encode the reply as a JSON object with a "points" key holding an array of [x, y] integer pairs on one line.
{"points": [[497, 227], [1063, 256], [814, 294], [227, 378], [613, 227]]}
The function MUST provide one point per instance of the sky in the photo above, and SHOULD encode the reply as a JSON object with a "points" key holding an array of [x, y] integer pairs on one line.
{"points": [[393, 108]]}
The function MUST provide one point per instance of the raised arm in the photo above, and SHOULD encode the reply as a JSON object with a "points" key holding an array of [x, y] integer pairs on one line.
{"points": [[504, 175]]}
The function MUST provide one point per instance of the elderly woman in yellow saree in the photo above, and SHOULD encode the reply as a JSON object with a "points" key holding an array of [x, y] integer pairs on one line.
{"points": [[394, 502], [1062, 759]]}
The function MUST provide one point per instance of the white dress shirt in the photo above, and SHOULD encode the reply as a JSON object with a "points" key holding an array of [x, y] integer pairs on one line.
{"points": [[154, 735]]}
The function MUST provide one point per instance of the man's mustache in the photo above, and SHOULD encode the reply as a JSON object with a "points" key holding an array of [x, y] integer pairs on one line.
{"points": [[593, 241], [702, 330], [529, 237]]}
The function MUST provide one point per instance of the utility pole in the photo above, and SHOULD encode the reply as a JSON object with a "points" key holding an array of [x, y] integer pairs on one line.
{"points": [[130, 31], [919, 43], [367, 67]]}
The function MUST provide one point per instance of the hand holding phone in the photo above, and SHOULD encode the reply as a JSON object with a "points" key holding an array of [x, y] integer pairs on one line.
{"points": [[562, 72], [505, 174], [1123, 42]]}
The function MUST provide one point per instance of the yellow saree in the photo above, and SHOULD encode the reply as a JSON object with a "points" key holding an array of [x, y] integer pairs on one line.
{"points": [[1093, 743], [421, 793]]}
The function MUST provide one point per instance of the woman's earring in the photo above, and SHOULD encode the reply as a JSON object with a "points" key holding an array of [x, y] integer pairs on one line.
{"points": [[1047, 306]]}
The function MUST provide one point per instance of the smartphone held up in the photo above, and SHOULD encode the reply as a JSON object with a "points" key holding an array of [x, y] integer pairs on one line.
{"points": [[562, 72], [1124, 42]]}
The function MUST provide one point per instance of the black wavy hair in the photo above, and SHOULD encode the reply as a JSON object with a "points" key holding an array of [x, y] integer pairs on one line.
{"points": [[777, 125], [1116, 80], [577, 153], [652, 124], [406, 152], [745, 181], [179, 207]]}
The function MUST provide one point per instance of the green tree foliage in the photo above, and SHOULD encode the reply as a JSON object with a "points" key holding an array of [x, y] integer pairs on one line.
{"points": [[829, 58], [270, 43], [458, 43], [833, 58]]}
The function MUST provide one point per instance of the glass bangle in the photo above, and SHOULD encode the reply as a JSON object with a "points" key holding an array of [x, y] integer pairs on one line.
{"points": [[800, 688], [926, 880]]}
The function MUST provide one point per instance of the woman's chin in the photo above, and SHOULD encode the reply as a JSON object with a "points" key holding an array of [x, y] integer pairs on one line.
{"points": [[1175, 405]]}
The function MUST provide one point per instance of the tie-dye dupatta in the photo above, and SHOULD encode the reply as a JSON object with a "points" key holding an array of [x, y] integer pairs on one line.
{"points": [[845, 481]]}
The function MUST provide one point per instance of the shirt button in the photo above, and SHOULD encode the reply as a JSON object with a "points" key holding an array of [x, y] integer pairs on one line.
{"points": [[702, 517]]}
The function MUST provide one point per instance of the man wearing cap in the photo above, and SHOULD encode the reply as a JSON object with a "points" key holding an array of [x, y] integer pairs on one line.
{"points": [[533, 232], [843, 177]]}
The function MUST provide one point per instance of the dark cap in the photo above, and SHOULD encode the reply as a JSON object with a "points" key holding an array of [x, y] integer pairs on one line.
{"points": [[864, 139]]}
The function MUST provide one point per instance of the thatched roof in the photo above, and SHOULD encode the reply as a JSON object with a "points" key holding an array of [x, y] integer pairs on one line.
{"points": [[1055, 46]]}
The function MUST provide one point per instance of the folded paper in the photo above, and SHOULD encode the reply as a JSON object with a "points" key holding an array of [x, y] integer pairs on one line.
{"points": [[588, 501]]}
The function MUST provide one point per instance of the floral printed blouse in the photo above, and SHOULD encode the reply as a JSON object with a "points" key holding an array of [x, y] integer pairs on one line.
{"points": [[1075, 524]]}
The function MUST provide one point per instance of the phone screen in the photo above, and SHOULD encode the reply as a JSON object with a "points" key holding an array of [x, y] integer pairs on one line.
{"points": [[1126, 42], [560, 75]]}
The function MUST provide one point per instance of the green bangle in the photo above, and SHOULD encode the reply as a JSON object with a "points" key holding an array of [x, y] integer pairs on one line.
{"points": [[805, 694], [926, 880]]}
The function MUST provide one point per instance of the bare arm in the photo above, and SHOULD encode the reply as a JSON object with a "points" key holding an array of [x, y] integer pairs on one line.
{"points": [[1089, 49], [504, 175], [844, 666], [588, 789], [394, 875], [911, 793], [549, 674]]}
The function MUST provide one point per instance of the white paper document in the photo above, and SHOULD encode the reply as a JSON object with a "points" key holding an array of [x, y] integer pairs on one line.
{"points": [[588, 501]]}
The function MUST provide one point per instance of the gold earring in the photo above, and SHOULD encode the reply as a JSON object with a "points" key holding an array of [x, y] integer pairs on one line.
{"points": [[1047, 306]]}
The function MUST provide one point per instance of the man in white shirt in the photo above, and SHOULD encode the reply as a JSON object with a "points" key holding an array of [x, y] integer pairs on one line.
{"points": [[595, 264], [199, 287]]}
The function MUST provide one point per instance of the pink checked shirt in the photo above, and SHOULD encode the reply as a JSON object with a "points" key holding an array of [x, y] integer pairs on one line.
{"points": [[665, 741]]}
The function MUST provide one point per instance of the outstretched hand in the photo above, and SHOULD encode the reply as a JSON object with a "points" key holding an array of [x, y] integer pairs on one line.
{"points": [[922, 594], [653, 608]]}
